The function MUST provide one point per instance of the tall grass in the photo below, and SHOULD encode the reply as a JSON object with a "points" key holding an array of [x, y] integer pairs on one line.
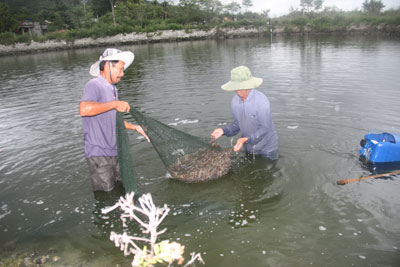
{"points": [[329, 21]]}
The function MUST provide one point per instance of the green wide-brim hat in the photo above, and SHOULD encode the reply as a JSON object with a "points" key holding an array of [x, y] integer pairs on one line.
{"points": [[241, 79]]}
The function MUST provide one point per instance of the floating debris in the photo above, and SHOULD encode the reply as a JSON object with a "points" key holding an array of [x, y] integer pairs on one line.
{"points": [[206, 164]]}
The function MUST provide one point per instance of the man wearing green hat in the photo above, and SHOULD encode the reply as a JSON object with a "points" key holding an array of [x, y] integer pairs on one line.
{"points": [[251, 112]]}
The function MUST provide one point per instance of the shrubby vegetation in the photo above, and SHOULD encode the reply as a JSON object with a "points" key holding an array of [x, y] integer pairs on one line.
{"points": [[332, 20], [74, 19]]}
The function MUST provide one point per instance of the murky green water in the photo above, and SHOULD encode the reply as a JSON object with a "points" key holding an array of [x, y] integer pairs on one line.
{"points": [[325, 92]]}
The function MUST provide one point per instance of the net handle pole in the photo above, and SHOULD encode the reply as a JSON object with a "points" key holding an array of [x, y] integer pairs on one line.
{"points": [[343, 182]]}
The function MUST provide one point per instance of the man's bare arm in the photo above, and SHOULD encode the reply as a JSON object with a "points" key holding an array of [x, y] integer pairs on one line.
{"points": [[91, 108]]}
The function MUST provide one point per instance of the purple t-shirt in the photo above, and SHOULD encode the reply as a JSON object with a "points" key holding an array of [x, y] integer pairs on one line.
{"points": [[99, 133]]}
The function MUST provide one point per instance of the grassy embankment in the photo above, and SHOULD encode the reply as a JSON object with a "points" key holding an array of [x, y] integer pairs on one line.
{"points": [[388, 22]]}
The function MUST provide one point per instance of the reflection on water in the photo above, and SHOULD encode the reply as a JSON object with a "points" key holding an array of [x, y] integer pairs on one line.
{"points": [[326, 94]]}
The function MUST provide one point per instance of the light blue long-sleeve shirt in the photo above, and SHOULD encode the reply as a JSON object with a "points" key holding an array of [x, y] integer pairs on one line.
{"points": [[253, 119]]}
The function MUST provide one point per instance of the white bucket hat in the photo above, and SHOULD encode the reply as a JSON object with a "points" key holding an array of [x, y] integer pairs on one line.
{"points": [[112, 54], [241, 79]]}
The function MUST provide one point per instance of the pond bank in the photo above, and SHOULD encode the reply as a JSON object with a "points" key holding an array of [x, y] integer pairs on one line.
{"points": [[182, 35]]}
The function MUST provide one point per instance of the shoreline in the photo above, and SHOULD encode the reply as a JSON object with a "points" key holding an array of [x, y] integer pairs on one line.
{"points": [[182, 35]]}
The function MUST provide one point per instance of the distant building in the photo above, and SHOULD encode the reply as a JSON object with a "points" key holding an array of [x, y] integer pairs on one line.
{"points": [[31, 27]]}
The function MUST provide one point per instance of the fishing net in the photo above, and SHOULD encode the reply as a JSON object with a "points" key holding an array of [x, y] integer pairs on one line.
{"points": [[188, 158], [125, 156]]}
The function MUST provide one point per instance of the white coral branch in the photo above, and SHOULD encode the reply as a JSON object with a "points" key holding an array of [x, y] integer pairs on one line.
{"points": [[194, 258], [125, 242], [154, 216], [146, 207]]}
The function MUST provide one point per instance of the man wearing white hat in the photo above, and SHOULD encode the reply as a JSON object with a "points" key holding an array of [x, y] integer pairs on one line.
{"points": [[98, 108], [252, 116]]}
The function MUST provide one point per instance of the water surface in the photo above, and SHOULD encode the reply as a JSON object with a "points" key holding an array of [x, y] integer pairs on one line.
{"points": [[325, 92]]}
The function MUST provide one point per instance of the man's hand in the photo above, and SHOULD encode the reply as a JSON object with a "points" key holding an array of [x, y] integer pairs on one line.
{"points": [[140, 130], [217, 133], [136, 128], [239, 144], [122, 106]]}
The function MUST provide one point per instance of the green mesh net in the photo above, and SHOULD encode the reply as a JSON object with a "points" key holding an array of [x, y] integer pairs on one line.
{"points": [[125, 156], [188, 158]]}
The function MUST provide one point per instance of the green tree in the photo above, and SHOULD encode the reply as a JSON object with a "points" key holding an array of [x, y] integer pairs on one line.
{"points": [[318, 4], [211, 8], [247, 4], [62, 16], [306, 5], [112, 4], [7, 21], [190, 10], [373, 6], [130, 10], [78, 15], [139, 13], [188, 3], [265, 13], [154, 10], [32, 5], [309, 5], [100, 7], [232, 8], [84, 6], [165, 5]]}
